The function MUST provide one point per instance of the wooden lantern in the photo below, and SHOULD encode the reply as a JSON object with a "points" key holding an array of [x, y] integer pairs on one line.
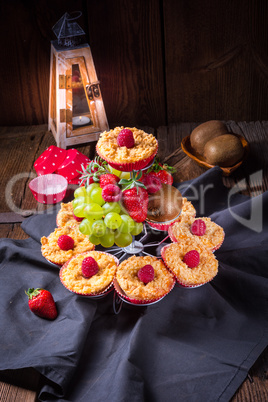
{"points": [[76, 110]]}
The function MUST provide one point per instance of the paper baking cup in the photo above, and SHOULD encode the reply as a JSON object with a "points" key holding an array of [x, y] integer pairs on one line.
{"points": [[50, 160], [171, 235], [134, 301], [128, 167], [178, 281], [71, 166], [162, 226], [49, 188], [97, 295]]}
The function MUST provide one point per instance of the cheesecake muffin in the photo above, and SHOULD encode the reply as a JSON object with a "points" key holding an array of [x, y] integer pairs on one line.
{"points": [[202, 230], [192, 264], [63, 244], [89, 274], [65, 216], [143, 280], [126, 148]]}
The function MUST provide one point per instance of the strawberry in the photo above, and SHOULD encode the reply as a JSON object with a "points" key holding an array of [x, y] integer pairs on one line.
{"points": [[191, 258], [41, 303], [163, 171], [89, 267], [108, 178], [135, 197], [65, 242], [165, 177], [151, 182], [125, 138], [146, 273], [198, 227], [111, 193]]}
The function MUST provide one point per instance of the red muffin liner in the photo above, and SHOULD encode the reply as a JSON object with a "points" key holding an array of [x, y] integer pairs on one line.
{"points": [[97, 295], [50, 160], [71, 166], [49, 188], [128, 167], [162, 226], [171, 235], [178, 282], [131, 300]]}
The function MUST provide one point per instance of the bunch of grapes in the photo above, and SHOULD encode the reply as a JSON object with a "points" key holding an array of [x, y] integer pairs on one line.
{"points": [[105, 223]]}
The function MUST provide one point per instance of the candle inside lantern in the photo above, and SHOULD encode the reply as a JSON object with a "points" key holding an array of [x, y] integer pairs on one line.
{"points": [[81, 120]]}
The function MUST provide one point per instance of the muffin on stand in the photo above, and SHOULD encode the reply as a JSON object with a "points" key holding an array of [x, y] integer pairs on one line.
{"points": [[167, 206], [63, 244], [89, 274], [191, 263], [127, 148], [202, 230], [143, 280]]}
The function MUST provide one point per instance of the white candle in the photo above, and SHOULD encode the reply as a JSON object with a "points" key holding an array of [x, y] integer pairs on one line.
{"points": [[80, 120]]}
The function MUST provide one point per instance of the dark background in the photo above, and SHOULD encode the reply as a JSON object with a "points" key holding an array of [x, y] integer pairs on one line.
{"points": [[158, 61]]}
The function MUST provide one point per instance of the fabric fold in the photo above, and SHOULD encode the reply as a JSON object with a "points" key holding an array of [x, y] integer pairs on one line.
{"points": [[195, 344]]}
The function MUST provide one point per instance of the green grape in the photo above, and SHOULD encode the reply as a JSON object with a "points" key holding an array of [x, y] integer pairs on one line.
{"points": [[85, 227], [94, 240], [138, 228], [91, 187], [93, 211], [98, 228], [96, 196], [80, 192], [114, 171], [127, 224], [77, 201], [79, 210], [112, 220], [111, 207], [122, 239], [107, 240], [125, 175]]}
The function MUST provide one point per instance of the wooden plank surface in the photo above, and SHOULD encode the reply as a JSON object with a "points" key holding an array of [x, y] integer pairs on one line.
{"points": [[158, 62], [21, 146], [215, 60]]}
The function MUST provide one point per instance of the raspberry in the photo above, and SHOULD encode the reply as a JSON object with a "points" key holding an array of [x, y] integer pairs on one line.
{"points": [[191, 258], [108, 178], [152, 183], [146, 273], [65, 242], [125, 138], [198, 227], [89, 267], [111, 193], [77, 218]]}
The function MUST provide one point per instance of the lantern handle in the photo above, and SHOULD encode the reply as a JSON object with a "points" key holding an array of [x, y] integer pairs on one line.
{"points": [[79, 13]]}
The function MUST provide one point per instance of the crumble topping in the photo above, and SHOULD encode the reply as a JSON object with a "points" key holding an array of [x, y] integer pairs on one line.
{"points": [[72, 278], [206, 270], [52, 252], [133, 287], [145, 146]]}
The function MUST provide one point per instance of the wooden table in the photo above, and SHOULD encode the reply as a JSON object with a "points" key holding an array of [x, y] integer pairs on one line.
{"points": [[21, 146]]}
